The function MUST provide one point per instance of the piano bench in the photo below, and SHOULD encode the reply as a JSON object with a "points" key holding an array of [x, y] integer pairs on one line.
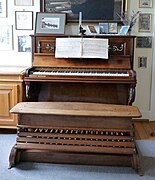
{"points": [[75, 133]]}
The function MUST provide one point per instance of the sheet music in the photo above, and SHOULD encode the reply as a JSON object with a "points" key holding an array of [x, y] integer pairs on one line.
{"points": [[81, 48]]}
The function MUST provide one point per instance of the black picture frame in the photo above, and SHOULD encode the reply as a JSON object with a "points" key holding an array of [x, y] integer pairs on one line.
{"points": [[24, 20], [92, 11], [144, 42]]}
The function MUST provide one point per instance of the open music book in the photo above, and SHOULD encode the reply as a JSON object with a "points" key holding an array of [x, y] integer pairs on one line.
{"points": [[81, 48]]}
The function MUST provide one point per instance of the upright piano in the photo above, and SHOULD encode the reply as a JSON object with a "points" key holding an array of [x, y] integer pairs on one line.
{"points": [[110, 81]]}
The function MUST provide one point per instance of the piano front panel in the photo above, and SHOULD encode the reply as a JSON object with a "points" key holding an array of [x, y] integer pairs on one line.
{"points": [[108, 93], [119, 46]]}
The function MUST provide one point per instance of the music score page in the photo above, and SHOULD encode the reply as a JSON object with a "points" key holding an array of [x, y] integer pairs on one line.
{"points": [[81, 48]]}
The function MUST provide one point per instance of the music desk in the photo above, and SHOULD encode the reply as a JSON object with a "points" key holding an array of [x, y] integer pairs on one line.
{"points": [[75, 133]]}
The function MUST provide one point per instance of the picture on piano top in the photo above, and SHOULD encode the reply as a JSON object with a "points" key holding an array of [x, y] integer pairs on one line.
{"points": [[50, 23]]}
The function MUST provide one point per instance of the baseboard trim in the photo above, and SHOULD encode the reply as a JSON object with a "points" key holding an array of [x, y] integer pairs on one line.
{"points": [[140, 120]]}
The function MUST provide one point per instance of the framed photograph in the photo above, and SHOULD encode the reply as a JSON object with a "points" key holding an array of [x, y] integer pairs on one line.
{"points": [[145, 22], [142, 62], [103, 28], [5, 37], [92, 29], [3, 8], [113, 28], [144, 42], [124, 30], [24, 20], [23, 2], [24, 44], [145, 3], [50, 23], [92, 10]]}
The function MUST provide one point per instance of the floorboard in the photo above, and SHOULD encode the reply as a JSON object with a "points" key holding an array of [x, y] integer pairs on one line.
{"points": [[145, 130]]}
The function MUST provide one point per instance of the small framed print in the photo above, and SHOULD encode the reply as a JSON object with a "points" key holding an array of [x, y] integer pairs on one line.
{"points": [[124, 30], [144, 42], [145, 22], [23, 2], [5, 37], [103, 28], [24, 44], [3, 8], [145, 3], [113, 28], [142, 62], [24, 20], [50, 23], [92, 29]]}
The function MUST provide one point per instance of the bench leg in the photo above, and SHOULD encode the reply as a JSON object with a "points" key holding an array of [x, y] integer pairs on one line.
{"points": [[14, 157]]}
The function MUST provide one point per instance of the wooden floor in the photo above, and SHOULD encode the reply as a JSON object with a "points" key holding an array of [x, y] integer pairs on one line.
{"points": [[145, 130]]}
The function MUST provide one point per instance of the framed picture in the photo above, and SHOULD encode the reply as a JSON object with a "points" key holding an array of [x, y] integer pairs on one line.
{"points": [[103, 28], [3, 8], [5, 37], [145, 3], [23, 2], [24, 44], [145, 21], [124, 30], [92, 29], [50, 23], [24, 20], [142, 62], [113, 28], [144, 42], [92, 11]]}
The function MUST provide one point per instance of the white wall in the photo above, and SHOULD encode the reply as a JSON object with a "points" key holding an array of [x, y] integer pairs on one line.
{"points": [[13, 57], [144, 75]]}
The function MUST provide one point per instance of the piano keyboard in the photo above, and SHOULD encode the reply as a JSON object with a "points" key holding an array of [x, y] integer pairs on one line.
{"points": [[80, 73]]}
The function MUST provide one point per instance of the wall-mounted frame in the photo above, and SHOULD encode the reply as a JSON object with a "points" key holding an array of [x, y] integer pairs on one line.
{"points": [[3, 8], [5, 37], [23, 2], [50, 23], [145, 22], [145, 3], [24, 20], [144, 42], [142, 62], [106, 9], [24, 44]]}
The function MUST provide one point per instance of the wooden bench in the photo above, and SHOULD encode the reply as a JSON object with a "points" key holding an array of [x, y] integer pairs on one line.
{"points": [[76, 133]]}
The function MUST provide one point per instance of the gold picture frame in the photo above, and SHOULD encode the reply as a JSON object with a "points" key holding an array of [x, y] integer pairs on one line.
{"points": [[145, 22], [145, 3]]}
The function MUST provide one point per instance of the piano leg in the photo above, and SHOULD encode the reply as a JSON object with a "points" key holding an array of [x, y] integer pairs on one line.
{"points": [[131, 95], [32, 91]]}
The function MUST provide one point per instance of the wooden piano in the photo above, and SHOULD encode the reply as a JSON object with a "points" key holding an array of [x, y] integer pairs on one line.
{"points": [[110, 81]]}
